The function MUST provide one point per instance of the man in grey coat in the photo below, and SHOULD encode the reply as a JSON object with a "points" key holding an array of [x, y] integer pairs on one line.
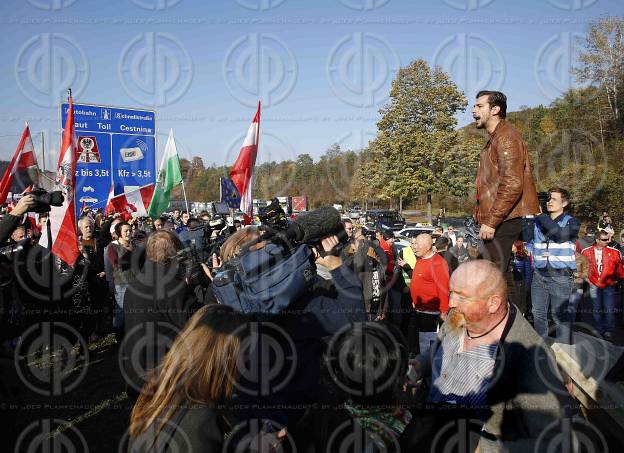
{"points": [[490, 363]]}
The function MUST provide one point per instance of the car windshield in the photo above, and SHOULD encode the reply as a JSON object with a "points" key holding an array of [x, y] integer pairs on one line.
{"points": [[390, 217], [413, 233]]}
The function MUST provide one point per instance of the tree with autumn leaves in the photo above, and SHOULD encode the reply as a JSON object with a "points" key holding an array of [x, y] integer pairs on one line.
{"points": [[417, 150]]}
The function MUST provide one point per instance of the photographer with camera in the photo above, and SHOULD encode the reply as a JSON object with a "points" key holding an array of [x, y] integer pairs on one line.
{"points": [[11, 221], [10, 323], [274, 279], [24, 262], [9, 303], [554, 246]]}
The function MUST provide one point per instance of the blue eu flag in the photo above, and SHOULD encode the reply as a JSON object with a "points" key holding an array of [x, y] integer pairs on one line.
{"points": [[229, 193]]}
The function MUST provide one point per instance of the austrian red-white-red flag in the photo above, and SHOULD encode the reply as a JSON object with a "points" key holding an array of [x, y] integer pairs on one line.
{"points": [[133, 203], [242, 171], [20, 168], [111, 193], [63, 218]]}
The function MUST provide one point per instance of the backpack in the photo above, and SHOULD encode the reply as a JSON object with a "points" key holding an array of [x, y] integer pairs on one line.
{"points": [[265, 281]]}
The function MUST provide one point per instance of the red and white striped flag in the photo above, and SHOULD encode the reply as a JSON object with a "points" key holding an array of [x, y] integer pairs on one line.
{"points": [[133, 203], [63, 218], [109, 207], [242, 171], [22, 163]]}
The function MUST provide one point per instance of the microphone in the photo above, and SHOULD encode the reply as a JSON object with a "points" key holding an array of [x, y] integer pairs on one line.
{"points": [[315, 225]]}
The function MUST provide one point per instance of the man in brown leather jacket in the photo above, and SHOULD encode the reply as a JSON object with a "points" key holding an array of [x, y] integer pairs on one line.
{"points": [[505, 186]]}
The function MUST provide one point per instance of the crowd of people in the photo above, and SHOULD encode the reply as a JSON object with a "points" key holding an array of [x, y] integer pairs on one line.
{"points": [[195, 384], [292, 337]]}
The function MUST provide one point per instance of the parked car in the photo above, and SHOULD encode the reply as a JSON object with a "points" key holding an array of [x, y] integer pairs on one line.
{"points": [[385, 218], [403, 238], [412, 232], [456, 222], [353, 215]]}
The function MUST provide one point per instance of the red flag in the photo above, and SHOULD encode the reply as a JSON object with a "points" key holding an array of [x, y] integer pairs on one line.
{"points": [[242, 171], [63, 218], [23, 159], [133, 203], [247, 220], [109, 207]]}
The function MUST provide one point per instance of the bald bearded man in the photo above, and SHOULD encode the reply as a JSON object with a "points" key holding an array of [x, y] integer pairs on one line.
{"points": [[489, 362]]}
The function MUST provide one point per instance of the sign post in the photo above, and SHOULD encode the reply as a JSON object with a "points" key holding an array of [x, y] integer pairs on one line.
{"points": [[115, 145]]}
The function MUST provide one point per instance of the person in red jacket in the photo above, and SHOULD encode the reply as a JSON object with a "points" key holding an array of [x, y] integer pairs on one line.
{"points": [[605, 269], [385, 238], [429, 289]]}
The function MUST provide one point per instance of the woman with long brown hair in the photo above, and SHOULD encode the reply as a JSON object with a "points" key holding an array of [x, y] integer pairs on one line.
{"points": [[181, 403]]}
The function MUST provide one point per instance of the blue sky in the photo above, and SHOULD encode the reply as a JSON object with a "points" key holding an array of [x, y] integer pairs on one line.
{"points": [[321, 67]]}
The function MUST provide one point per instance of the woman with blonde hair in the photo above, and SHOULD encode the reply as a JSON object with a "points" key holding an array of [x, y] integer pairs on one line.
{"points": [[181, 405], [232, 245]]}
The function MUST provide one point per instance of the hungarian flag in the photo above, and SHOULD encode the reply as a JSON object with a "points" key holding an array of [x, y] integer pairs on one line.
{"points": [[169, 176], [229, 193], [22, 170], [133, 203], [242, 171], [63, 218]]}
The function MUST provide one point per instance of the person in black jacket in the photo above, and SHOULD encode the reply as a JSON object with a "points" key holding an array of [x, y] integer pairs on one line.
{"points": [[182, 405], [442, 248], [10, 383], [157, 304], [365, 411], [367, 261]]}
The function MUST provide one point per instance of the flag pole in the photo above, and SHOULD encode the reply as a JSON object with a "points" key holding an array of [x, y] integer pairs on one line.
{"points": [[185, 200], [43, 151]]}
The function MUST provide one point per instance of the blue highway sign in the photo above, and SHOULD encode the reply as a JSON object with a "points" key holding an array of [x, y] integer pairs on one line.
{"points": [[115, 146]]}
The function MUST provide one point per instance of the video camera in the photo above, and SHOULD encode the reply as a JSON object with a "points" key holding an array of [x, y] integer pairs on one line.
{"points": [[207, 237], [471, 233], [201, 242], [9, 251], [268, 280], [190, 267], [43, 199], [273, 216], [543, 198]]}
